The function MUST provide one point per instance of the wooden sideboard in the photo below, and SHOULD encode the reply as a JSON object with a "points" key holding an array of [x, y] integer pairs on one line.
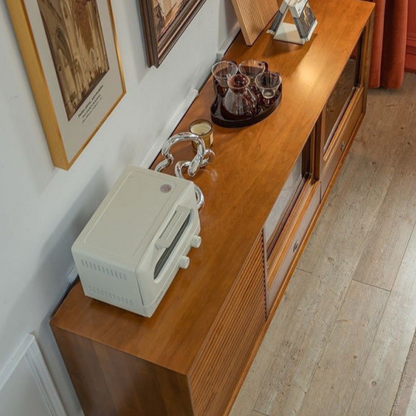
{"points": [[263, 193]]}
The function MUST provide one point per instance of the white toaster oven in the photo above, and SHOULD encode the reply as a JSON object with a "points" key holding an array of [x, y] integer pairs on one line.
{"points": [[138, 239]]}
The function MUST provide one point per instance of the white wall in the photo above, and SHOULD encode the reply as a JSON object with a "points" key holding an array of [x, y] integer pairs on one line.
{"points": [[43, 209]]}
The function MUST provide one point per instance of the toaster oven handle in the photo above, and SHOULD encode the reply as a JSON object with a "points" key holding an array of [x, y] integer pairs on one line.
{"points": [[172, 229]]}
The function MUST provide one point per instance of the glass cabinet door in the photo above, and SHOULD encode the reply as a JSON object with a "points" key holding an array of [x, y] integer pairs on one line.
{"points": [[287, 199], [341, 96]]}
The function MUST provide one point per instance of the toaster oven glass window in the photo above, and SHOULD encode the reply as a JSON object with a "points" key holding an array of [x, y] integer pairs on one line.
{"points": [[341, 96], [287, 199], [166, 254]]}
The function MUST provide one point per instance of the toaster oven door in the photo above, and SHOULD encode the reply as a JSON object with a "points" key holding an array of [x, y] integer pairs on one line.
{"points": [[171, 236]]}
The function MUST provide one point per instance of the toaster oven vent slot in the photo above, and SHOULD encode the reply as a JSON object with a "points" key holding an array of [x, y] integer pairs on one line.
{"points": [[103, 294], [105, 270], [166, 254]]}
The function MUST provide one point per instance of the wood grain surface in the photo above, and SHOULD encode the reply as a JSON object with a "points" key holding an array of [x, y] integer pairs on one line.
{"points": [[339, 251], [240, 187], [308, 313], [349, 345], [253, 16], [230, 342]]}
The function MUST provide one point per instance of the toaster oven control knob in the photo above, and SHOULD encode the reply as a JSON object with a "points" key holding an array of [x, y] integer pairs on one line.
{"points": [[196, 241], [184, 262]]}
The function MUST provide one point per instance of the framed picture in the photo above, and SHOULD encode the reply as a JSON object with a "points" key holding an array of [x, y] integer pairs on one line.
{"points": [[70, 51], [164, 21]]}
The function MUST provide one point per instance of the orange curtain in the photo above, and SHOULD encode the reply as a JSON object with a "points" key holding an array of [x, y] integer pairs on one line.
{"points": [[389, 43]]}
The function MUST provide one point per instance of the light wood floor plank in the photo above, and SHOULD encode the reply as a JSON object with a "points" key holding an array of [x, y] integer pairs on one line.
{"points": [[254, 413], [284, 337], [328, 215], [253, 383], [339, 370], [286, 377], [362, 185], [411, 410], [249, 391], [391, 232], [388, 131], [301, 339], [379, 382]]}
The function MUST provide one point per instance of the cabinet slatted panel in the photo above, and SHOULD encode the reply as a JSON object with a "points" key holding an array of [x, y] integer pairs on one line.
{"points": [[229, 344]]}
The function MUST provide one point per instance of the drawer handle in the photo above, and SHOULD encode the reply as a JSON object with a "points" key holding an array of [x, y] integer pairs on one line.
{"points": [[343, 144], [296, 246]]}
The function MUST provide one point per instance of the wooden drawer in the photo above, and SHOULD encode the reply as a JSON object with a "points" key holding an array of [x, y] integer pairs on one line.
{"points": [[293, 248], [342, 139]]}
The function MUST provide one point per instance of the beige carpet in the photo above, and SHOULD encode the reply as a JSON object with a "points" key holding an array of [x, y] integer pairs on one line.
{"points": [[405, 403]]}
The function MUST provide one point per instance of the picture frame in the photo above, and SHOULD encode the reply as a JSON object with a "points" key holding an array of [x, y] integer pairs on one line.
{"points": [[71, 55], [164, 21]]}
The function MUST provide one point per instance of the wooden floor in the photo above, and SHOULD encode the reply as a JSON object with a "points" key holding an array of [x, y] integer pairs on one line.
{"points": [[339, 340]]}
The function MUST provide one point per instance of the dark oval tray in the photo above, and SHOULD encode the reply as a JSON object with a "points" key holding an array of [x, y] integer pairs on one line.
{"points": [[263, 113]]}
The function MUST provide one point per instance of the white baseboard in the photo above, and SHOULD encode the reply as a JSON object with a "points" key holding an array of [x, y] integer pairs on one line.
{"points": [[28, 358], [72, 274], [190, 98], [170, 127], [228, 41]]}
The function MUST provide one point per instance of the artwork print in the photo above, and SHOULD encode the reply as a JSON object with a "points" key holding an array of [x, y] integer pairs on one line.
{"points": [[165, 12], [72, 59], [76, 42], [164, 21]]}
